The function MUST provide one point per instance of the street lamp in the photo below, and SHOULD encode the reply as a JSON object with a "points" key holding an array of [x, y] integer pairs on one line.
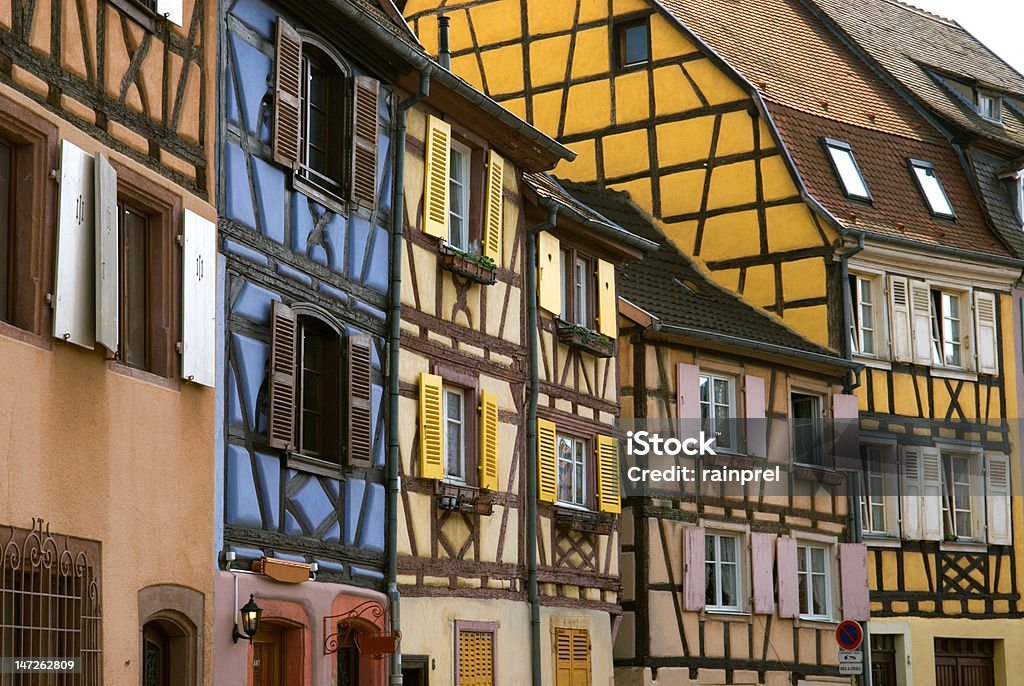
{"points": [[250, 613]]}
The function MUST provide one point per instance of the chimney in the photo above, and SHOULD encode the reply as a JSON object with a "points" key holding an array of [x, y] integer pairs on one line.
{"points": [[444, 54]]}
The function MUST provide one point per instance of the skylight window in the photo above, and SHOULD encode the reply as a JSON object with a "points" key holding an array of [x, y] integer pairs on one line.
{"points": [[990, 106], [845, 166], [931, 188]]}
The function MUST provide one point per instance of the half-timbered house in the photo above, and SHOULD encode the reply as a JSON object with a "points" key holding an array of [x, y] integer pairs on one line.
{"points": [[107, 292]]}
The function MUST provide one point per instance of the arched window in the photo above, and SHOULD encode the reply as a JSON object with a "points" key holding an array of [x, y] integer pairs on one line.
{"points": [[323, 118], [171, 645]]}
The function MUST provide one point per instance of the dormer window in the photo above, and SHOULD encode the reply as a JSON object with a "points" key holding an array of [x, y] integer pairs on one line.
{"points": [[1018, 184], [931, 188], [990, 106], [845, 166]]}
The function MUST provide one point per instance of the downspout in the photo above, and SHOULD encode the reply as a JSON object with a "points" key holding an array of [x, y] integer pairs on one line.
{"points": [[532, 327], [394, 353], [844, 272], [853, 486]]}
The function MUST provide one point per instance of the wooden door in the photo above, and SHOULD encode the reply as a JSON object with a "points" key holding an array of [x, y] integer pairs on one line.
{"points": [[266, 659], [964, 662], [883, 660]]}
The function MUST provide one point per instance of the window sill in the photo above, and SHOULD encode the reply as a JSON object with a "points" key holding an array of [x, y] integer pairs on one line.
{"points": [[317, 193], [144, 17], [963, 547], [818, 622], [171, 384], [459, 497], [584, 339], [576, 518], [725, 614], [821, 475], [41, 341], [312, 465], [468, 265], [877, 541], [873, 362], [952, 373]]}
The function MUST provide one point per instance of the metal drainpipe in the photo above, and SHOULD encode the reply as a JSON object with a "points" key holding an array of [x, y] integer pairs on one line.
{"points": [[394, 352], [844, 271], [856, 525], [531, 444]]}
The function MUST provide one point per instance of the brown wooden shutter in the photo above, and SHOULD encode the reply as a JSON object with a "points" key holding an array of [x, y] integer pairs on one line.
{"points": [[365, 104], [287, 95], [283, 347], [359, 373]]}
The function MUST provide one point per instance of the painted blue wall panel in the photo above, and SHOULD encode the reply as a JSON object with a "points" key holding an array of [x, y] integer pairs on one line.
{"points": [[366, 573], [294, 274], [242, 506], [303, 216], [269, 469], [353, 504], [384, 172], [318, 254], [237, 193], [332, 292], [270, 190], [234, 402], [250, 358], [378, 426], [291, 527], [245, 252], [369, 310], [244, 554], [250, 71], [257, 15], [330, 566], [373, 520], [359, 233], [254, 303], [377, 271], [230, 101], [334, 237], [311, 504]]}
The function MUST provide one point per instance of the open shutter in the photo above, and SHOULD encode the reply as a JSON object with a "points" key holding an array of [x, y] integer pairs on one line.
{"points": [[549, 273], [608, 497], [853, 575], [911, 496], [694, 591], [921, 316], [762, 562], [283, 360], [435, 178], [785, 560], [756, 418], [170, 9], [431, 427], [199, 300], [287, 95], [607, 303], [931, 490], [365, 106], [985, 332], [547, 462], [899, 311], [107, 252], [359, 385], [687, 392], [997, 493], [488, 441], [73, 298], [494, 211]]}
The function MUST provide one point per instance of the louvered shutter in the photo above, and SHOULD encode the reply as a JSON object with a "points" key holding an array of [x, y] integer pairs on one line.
{"points": [[494, 210], [607, 303], [286, 140], [580, 657], [359, 385], [921, 317], [985, 332], [762, 562], [911, 496], [435, 178], [283, 363], [899, 314], [563, 657], [365, 106], [107, 255], [931, 490], [853, 575], [476, 658], [73, 300], [608, 497], [756, 423], [786, 574], [199, 300], [694, 590], [997, 496], [688, 394], [549, 273], [431, 427], [170, 9], [488, 441], [547, 461]]}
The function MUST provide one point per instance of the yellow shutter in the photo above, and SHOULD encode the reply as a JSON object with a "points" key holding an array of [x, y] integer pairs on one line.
{"points": [[572, 657], [547, 461], [608, 499], [476, 658], [607, 307], [488, 441], [495, 203], [549, 273], [563, 657], [431, 427], [435, 178]]}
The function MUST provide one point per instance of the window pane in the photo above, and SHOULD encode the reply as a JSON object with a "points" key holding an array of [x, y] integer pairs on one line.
{"points": [[728, 549], [710, 584], [729, 594], [634, 44], [457, 234], [566, 469], [849, 173], [818, 594], [454, 406], [134, 228], [818, 560], [801, 559], [5, 230], [932, 189]]}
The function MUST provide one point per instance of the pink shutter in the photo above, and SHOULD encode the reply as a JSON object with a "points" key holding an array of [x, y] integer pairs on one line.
{"points": [[853, 574], [762, 563], [693, 568], [687, 391], [844, 420], [785, 557], [756, 424]]}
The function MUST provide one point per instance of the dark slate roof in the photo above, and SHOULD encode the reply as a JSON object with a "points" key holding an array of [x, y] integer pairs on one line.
{"points": [[997, 194], [668, 285]]}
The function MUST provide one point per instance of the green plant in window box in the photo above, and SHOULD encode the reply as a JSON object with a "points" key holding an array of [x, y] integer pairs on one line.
{"points": [[478, 268], [587, 339]]}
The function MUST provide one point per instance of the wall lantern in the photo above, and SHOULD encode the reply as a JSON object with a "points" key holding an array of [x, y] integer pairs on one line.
{"points": [[250, 614]]}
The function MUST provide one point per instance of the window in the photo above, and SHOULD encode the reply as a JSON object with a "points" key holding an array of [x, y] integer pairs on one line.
{"points": [[579, 288], [572, 657], [957, 515], [930, 187], [323, 120], [947, 332], [133, 224], [808, 429], [718, 409], [845, 165], [454, 433], [171, 642], [990, 106], [876, 492], [572, 470], [1018, 184], [474, 653], [722, 572], [634, 45], [813, 581], [348, 658], [318, 384], [863, 324], [460, 189]]}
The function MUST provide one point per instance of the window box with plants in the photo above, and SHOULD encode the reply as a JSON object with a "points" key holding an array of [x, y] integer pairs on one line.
{"points": [[586, 521], [585, 339], [477, 268], [463, 498]]}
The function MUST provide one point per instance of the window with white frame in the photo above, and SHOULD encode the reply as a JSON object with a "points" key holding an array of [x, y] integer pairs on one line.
{"points": [[722, 572], [877, 492], [808, 428], [454, 433], [990, 106], [931, 188], [572, 470], [459, 168], [814, 581], [865, 308], [947, 328], [845, 165], [957, 512], [718, 409]]}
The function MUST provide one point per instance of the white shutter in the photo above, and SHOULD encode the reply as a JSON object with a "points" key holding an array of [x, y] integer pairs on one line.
{"points": [[899, 309], [911, 495], [997, 495], [199, 300], [931, 492], [170, 9], [985, 332], [921, 317], [74, 284], [107, 254]]}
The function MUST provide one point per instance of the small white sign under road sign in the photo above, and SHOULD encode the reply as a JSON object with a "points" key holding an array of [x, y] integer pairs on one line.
{"points": [[850, 656], [851, 668]]}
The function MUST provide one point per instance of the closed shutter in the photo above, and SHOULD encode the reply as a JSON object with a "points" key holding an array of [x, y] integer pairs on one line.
{"points": [[997, 495], [107, 253], [73, 318], [572, 657], [494, 211], [435, 178], [549, 273], [365, 106], [694, 591], [286, 140], [786, 575], [755, 415], [547, 461], [911, 496], [608, 498], [762, 562], [476, 658], [283, 362], [688, 393], [199, 300], [359, 385], [931, 490], [853, 574], [170, 9], [985, 332], [921, 316], [488, 441], [431, 427], [607, 304], [899, 312]]}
